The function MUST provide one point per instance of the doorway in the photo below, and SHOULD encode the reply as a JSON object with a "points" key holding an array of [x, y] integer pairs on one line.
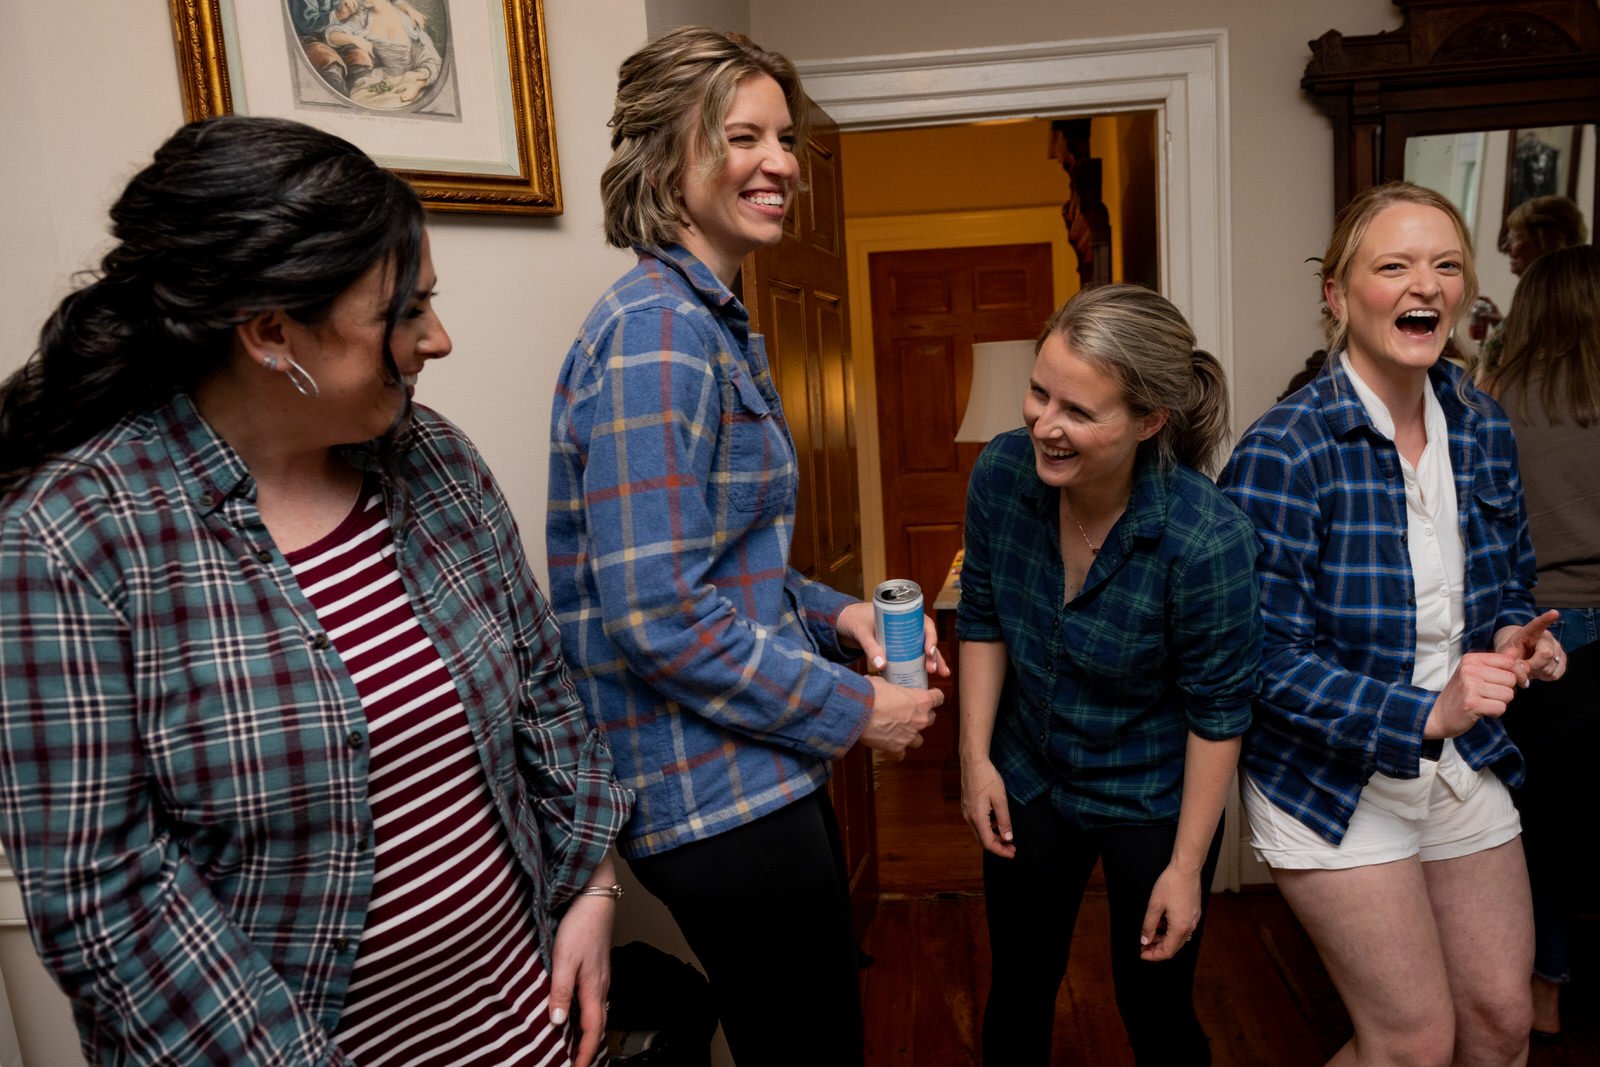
{"points": [[934, 285], [1180, 77]]}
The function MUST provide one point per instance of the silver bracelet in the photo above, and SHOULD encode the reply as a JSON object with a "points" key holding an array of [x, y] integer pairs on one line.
{"points": [[612, 891]]}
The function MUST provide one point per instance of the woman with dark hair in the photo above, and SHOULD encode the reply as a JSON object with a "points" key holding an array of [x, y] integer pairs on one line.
{"points": [[1109, 643], [1395, 574], [1548, 379], [291, 769], [715, 669]]}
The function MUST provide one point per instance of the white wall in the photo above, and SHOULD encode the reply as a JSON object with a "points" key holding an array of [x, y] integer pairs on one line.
{"points": [[663, 15], [1281, 146], [86, 109]]}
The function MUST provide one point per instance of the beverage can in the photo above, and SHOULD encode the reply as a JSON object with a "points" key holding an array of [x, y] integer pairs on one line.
{"points": [[897, 606]]}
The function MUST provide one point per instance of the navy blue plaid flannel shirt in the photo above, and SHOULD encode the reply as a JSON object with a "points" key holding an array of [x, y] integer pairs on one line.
{"points": [[1164, 639], [1325, 492]]}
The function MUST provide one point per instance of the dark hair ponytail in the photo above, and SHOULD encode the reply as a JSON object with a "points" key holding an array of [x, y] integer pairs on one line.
{"points": [[234, 216]]}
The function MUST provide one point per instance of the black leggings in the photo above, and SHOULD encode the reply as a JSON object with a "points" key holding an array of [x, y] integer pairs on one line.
{"points": [[766, 907], [1032, 902]]}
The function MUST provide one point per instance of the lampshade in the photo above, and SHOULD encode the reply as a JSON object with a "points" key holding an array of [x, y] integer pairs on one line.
{"points": [[1000, 372]]}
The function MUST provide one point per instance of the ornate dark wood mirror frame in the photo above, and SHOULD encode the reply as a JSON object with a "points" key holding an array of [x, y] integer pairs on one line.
{"points": [[1453, 66]]}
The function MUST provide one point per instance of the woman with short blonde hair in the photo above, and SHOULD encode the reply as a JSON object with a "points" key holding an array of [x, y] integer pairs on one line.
{"points": [[672, 94], [718, 671]]}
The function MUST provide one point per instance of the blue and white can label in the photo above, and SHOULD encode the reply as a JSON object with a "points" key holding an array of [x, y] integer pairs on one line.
{"points": [[897, 606]]}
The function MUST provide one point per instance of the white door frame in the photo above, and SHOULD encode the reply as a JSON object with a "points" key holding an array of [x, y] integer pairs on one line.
{"points": [[1183, 77]]}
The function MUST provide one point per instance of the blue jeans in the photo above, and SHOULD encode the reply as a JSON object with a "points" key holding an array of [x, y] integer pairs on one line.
{"points": [[1578, 627], [1558, 731]]}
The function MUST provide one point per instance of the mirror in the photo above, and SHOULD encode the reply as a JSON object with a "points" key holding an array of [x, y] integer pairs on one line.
{"points": [[1486, 173], [1485, 102]]}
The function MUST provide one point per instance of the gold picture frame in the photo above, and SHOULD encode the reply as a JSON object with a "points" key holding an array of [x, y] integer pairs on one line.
{"points": [[477, 136]]}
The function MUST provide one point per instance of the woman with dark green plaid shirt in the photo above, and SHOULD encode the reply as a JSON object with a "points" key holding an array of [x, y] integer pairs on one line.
{"points": [[1110, 638]]}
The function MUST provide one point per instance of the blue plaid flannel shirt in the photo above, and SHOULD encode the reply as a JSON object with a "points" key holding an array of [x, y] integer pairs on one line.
{"points": [[713, 666], [1164, 638], [1325, 492]]}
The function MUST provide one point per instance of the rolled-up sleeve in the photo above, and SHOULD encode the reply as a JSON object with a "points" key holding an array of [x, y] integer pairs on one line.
{"points": [[1216, 626]]}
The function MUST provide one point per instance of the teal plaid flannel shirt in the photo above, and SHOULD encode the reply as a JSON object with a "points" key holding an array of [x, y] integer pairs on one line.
{"points": [[1163, 640], [183, 755]]}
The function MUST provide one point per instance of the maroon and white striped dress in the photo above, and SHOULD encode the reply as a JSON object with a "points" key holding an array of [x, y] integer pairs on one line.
{"points": [[449, 971]]}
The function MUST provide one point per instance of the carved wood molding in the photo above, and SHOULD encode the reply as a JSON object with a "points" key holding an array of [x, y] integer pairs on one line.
{"points": [[1085, 214], [1443, 32], [1452, 65]]}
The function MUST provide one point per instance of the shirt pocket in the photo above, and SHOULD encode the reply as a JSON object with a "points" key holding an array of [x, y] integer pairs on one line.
{"points": [[1495, 506], [759, 470]]}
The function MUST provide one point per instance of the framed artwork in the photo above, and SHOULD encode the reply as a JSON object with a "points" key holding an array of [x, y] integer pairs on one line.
{"points": [[1541, 161], [453, 95]]}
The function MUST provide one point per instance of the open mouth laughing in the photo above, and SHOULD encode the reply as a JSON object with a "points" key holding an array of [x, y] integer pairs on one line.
{"points": [[1419, 322]]}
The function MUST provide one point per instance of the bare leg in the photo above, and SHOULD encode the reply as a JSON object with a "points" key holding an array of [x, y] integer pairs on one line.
{"points": [[1375, 930], [1485, 923]]}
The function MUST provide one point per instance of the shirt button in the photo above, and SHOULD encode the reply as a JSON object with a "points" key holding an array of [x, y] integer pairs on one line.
{"points": [[319, 641], [361, 844], [1444, 646], [341, 943], [264, 556], [355, 739], [207, 500]]}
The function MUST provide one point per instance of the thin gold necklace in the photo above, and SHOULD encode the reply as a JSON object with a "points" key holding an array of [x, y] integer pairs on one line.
{"points": [[1093, 551]]}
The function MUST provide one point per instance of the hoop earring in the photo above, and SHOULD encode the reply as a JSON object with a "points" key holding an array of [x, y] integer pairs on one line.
{"points": [[301, 379]]}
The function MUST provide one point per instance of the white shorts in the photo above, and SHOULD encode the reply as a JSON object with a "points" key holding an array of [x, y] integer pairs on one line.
{"points": [[1449, 810]]}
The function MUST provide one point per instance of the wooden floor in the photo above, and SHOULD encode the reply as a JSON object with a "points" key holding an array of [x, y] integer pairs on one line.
{"points": [[1260, 991]]}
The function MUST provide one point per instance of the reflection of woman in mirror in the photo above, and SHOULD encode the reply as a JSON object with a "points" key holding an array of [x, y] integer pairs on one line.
{"points": [[1533, 228], [1548, 378], [1395, 575]]}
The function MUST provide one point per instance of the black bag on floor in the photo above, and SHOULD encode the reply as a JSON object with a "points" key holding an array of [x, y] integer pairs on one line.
{"points": [[661, 1012]]}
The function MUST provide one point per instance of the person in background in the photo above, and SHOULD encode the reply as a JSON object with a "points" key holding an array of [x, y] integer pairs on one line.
{"points": [[1395, 584], [1110, 639], [716, 670], [1533, 228], [1548, 379], [291, 768]]}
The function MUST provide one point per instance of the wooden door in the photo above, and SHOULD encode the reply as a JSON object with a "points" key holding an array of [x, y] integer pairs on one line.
{"points": [[928, 309], [796, 297]]}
